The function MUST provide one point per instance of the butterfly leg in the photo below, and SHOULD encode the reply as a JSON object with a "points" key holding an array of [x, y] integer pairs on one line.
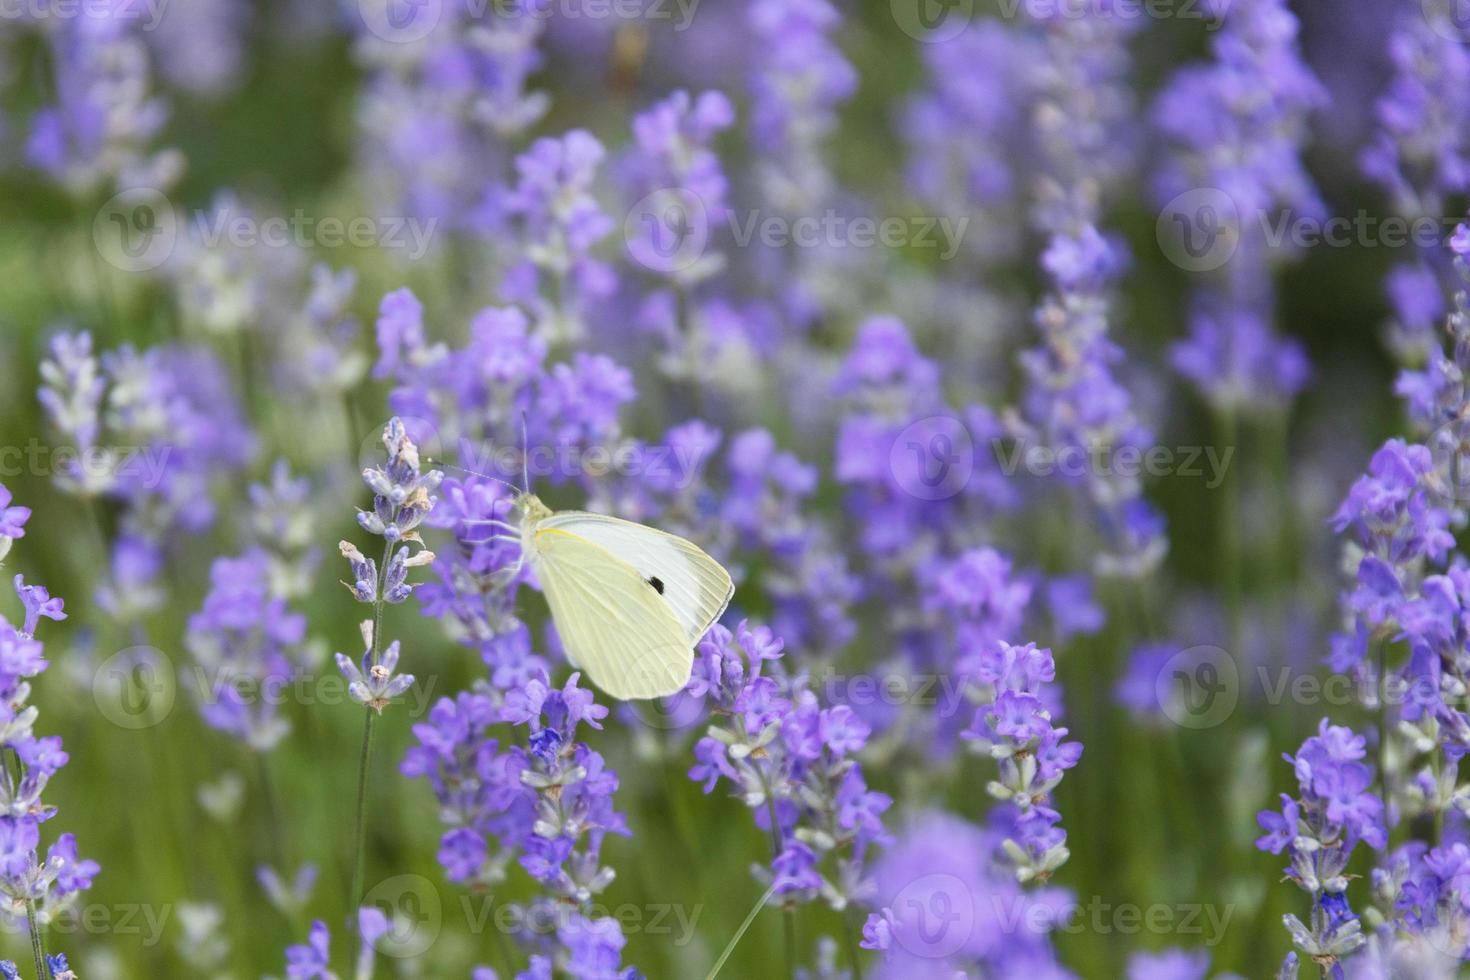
{"points": [[508, 574], [493, 522]]}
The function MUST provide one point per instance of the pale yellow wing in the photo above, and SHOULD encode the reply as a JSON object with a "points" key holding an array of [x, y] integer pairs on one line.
{"points": [[613, 623], [695, 586]]}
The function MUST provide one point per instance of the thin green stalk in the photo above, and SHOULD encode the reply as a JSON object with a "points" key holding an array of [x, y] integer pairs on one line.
{"points": [[740, 933], [788, 917], [506, 958], [272, 809], [853, 956], [354, 895], [1230, 532], [14, 774]]}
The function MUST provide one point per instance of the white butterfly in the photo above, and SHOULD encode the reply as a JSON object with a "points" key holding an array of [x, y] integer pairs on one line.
{"points": [[629, 601]]}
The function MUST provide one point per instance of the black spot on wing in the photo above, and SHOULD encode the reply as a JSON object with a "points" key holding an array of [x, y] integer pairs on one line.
{"points": [[657, 583]]}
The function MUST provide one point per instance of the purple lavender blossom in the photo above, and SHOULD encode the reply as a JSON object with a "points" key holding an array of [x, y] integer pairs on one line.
{"points": [[558, 221], [1249, 150], [790, 759], [800, 79], [672, 164], [32, 888], [1420, 155], [1014, 727], [312, 960], [12, 522], [546, 800], [1319, 830], [244, 640], [949, 903], [402, 500], [1170, 964], [966, 132], [1074, 400], [438, 113], [175, 409], [96, 135]]}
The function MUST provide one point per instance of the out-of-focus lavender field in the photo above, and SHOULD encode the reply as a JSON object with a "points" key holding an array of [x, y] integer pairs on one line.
{"points": [[1074, 389]]}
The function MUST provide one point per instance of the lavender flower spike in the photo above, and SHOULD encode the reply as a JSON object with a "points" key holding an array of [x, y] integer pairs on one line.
{"points": [[375, 684]]}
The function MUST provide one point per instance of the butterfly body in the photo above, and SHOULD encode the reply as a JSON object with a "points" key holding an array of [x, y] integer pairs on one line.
{"points": [[629, 601]]}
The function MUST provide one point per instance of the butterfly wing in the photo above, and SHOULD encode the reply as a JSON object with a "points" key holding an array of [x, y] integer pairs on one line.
{"points": [[695, 586], [612, 622]]}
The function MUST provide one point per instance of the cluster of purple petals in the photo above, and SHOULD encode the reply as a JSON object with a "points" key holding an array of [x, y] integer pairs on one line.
{"points": [[1074, 400], [152, 430], [96, 134], [514, 784], [56, 966], [476, 398], [1235, 128], [1404, 639], [951, 904], [245, 642], [403, 498], [1420, 156], [438, 113], [554, 221], [1318, 830], [32, 887], [792, 761], [672, 164], [1014, 726], [966, 132], [312, 960], [800, 77]]}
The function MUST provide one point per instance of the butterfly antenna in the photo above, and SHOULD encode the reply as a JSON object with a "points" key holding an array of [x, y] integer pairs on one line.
{"points": [[484, 476], [525, 453]]}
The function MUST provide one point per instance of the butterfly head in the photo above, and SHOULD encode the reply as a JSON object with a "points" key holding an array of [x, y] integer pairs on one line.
{"points": [[529, 509]]}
